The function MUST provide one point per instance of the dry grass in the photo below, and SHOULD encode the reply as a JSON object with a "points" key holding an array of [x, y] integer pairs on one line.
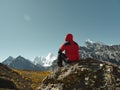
{"points": [[33, 77]]}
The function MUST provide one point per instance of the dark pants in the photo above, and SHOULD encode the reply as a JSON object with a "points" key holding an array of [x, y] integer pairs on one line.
{"points": [[61, 58]]}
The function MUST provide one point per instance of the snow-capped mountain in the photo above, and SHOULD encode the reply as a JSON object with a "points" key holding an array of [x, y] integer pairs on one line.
{"points": [[39, 60], [92, 45], [95, 50], [45, 61], [39, 63], [100, 51]]}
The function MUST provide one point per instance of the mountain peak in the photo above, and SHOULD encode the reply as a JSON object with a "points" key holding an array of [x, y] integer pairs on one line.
{"points": [[20, 57], [45, 61], [10, 57], [8, 60], [91, 44], [49, 56], [89, 41]]}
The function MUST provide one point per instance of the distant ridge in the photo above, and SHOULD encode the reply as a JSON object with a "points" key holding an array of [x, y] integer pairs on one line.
{"points": [[21, 63], [91, 49], [101, 51]]}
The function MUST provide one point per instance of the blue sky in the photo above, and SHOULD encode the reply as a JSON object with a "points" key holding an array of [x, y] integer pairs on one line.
{"points": [[36, 27]]}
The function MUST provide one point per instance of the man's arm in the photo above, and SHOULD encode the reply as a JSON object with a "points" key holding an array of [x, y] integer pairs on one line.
{"points": [[60, 51]]}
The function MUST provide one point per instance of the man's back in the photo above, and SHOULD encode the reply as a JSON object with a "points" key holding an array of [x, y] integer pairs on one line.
{"points": [[71, 50]]}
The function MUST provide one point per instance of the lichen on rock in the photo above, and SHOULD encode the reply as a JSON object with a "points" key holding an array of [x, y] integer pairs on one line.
{"points": [[87, 74]]}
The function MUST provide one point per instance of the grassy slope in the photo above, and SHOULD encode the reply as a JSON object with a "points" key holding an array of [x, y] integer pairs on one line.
{"points": [[33, 77]]}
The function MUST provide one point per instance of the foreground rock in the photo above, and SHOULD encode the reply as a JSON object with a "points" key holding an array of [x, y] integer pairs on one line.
{"points": [[11, 80], [86, 74]]}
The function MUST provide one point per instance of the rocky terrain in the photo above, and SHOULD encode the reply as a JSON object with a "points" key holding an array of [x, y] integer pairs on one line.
{"points": [[11, 80], [100, 51], [87, 74]]}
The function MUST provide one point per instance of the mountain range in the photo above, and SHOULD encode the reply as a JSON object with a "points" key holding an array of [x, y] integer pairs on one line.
{"points": [[95, 50], [19, 63], [100, 51], [39, 63]]}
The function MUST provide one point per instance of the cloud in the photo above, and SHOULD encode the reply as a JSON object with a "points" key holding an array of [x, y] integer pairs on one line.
{"points": [[27, 18]]}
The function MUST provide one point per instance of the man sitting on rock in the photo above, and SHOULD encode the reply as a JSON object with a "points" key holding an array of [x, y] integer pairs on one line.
{"points": [[69, 51]]}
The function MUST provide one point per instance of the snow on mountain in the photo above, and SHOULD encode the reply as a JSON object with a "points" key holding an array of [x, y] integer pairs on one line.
{"points": [[39, 63], [90, 41], [45, 61], [91, 44], [95, 50], [101, 51], [39, 60]]}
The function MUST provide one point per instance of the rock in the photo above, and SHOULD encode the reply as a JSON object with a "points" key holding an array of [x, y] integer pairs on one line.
{"points": [[7, 84], [11, 80], [88, 74]]}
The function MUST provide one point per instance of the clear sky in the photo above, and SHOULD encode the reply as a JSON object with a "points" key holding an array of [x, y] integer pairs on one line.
{"points": [[36, 27]]}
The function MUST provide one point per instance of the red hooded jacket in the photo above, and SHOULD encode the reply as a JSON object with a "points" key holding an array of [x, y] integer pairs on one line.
{"points": [[71, 48]]}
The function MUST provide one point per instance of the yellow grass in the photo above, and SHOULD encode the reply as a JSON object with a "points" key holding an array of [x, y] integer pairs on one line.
{"points": [[33, 77]]}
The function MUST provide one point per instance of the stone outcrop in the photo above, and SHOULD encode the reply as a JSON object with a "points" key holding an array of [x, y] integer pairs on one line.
{"points": [[88, 74], [11, 80], [7, 84]]}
